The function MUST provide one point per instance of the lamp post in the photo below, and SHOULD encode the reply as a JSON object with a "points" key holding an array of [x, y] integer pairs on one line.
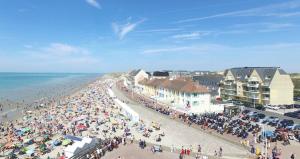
{"points": [[265, 148]]}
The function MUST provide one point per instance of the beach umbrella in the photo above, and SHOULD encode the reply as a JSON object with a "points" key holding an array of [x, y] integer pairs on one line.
{"points": [[56, 142], [30, 152], [81, 127], [24, 150], [19, 132], [39, 139], [25, 129]]}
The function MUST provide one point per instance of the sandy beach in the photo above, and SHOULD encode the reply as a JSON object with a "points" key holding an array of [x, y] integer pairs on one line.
{"points": [[98, 111]]}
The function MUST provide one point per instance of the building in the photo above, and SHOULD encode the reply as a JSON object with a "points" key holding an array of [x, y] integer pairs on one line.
{"points": [[257, 85], [212, 82], [181, 93], [160, 74], [136, 76]]}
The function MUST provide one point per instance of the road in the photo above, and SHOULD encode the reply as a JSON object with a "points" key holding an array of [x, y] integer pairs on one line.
{"points": [[179, 134]]}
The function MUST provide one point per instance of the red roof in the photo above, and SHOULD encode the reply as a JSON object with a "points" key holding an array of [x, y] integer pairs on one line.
{"points": [[181, 85]]}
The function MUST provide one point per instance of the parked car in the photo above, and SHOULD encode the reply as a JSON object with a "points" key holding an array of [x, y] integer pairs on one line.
{"points": [[285, 123], [260, 107], [296, 105], [295, 114], [273, 121], [273, 107]]}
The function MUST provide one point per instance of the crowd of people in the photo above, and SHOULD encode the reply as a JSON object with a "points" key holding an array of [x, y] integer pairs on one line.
{"points": [[43, 132]]}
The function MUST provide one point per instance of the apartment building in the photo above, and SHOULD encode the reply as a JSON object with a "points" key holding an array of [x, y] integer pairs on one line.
{"points": [[180, 92], [257, 85]]}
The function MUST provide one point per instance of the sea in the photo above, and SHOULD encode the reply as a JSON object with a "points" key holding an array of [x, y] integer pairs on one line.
{"points": [[27, 88]]}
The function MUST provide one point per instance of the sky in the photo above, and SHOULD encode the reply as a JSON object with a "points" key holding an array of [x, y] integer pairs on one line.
{"points": [[121, 35]]}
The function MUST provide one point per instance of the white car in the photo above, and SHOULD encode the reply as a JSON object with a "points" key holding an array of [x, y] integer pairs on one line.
{"points": [[273, 107]]}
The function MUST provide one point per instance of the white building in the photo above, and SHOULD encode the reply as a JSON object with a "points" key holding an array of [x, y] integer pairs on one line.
{"points": [[181, 94], [136, 76]]}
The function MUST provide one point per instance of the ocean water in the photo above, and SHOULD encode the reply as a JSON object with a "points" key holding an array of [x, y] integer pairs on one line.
{"points": [[27, 87]]}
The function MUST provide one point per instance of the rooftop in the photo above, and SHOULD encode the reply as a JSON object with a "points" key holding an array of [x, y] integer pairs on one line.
{"points": [[181, 85]]}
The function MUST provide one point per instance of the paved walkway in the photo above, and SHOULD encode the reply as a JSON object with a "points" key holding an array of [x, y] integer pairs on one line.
{"points": [[179, 134], [137, 153]]}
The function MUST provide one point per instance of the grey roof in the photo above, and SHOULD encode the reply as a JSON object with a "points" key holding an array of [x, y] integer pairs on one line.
{"points": [[208, 80], [265, 73], [134, 72]]}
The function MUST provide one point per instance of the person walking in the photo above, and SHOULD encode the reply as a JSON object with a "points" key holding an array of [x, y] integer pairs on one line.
{"points": [[293, 156], [199, 149], [220, 152], [216, 154]]}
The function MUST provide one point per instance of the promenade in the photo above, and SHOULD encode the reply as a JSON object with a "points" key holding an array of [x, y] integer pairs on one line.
{"points": [[179, 134]]}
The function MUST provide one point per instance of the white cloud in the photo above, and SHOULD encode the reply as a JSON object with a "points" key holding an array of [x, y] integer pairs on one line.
{"points": [[192, 35], [265, 27], [28, 46], [94, 3], [122, 30], [61, 53], [166, 30], [60, 49], [200, 48], [276, 10], [54, 57], [211, 48]]}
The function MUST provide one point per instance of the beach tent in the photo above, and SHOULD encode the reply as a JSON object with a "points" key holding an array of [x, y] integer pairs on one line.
{"points": [[56, 142], [82, 117], [28, 141], [66, 142], [113, 121], [81, 127], [39, 139], [74, 138], [268, 133], [30, 152], [27, 129], [19, 132]]}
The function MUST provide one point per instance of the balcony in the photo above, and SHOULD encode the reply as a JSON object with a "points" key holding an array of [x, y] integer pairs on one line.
{"points": [[253, 91], [229, 93], [266, 84], [228, 83], [254, 79], [253, 85], [266, 98], [265, 92], [229, 89], [253, 97]]}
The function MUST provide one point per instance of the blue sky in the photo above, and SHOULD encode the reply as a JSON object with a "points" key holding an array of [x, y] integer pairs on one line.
{"points": [[119, 35]]}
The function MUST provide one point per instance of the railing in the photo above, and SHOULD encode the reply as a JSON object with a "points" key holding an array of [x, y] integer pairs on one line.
{"points": [[265, 92], [252, 85], [230, 89], [253, 97], [265, 84]]}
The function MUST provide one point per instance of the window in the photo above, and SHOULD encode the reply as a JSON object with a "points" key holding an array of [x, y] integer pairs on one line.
{"points": [[195, 103], [195, 94]]}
